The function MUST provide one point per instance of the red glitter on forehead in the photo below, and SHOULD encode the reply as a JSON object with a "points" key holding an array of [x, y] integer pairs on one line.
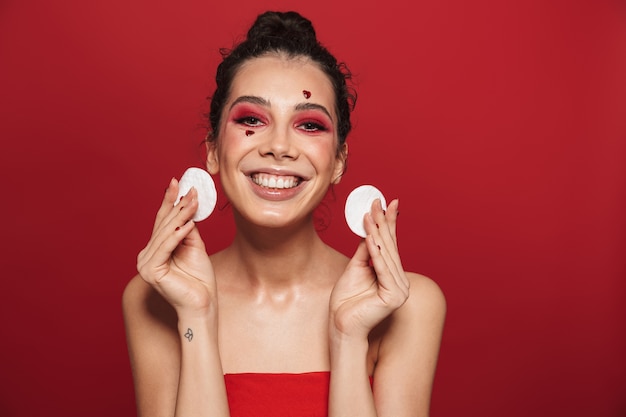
{"points": [[307, 94], [249, 132]]}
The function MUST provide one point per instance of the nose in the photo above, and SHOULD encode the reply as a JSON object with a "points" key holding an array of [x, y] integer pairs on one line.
{"points": [[279, 144]]}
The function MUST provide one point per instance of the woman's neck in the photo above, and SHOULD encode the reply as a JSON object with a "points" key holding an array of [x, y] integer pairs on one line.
{"points": [[280, 258]]}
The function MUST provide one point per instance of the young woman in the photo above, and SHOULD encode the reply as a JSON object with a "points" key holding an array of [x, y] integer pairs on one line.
{"points": [[279, 323]]}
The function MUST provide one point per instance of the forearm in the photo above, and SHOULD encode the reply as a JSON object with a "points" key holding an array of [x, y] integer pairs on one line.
{"points": [[201, 388], [350, 389]]}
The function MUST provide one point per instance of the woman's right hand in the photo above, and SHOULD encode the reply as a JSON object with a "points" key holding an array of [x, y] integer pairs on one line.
{"points": [[175, 262]]}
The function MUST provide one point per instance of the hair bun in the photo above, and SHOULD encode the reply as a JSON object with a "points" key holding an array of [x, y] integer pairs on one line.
{"points": [[287, 25]]}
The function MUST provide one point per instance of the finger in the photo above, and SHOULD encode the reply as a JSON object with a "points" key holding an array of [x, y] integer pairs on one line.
{"points": [[386, 228], [172, 214], [193, 239], [171, 206], [392, 218], [391, 288], [380, 250], [167, 204], [177, 217], [174, 229], [386, 219], [385, 250], [163, 253], [155, 264], [361, 255]]}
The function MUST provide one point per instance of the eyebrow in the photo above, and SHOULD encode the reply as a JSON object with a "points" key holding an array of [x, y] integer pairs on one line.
{"points": [[313, 106], [250, 99], [265, 103]]}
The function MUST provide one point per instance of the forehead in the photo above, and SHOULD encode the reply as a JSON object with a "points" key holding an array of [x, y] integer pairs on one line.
{"points": [[283, 80]]}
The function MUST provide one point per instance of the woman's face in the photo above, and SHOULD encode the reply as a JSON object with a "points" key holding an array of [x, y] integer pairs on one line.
{"points": [[276, 150]]}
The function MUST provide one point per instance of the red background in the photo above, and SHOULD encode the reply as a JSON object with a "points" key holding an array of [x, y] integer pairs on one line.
{"points": [[500, 126]]}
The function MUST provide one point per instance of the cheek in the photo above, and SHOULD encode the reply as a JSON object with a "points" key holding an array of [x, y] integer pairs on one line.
{"points": [[235, 147], [233, 141], [325, 157]]}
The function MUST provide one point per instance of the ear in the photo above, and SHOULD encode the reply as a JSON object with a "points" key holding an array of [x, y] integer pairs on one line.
{"points": [[342, 162], [212, 161]]}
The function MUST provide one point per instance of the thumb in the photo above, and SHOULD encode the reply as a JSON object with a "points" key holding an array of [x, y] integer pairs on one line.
{"points": [[193, 238], [361, 255], [194, 235]]}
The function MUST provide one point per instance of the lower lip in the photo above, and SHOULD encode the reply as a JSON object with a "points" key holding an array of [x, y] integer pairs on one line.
{"points": [[275, 194]]}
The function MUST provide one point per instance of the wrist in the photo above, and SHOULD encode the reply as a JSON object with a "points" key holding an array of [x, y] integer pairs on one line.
{"points": [[342, 343], [192, 326], [208, 313], [346, 334]]}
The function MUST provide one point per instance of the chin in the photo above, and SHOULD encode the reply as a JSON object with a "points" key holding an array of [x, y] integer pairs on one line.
{"points": [[274, 219]]}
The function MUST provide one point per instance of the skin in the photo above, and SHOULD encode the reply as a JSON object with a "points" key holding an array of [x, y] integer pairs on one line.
{"points": [[278, 299]]}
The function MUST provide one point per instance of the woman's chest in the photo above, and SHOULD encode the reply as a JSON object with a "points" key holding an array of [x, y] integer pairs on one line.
{"points": [[258, 337]]}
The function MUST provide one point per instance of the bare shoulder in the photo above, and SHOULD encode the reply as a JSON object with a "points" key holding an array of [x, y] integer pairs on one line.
{"points": [[421, 317], [425, 296]]}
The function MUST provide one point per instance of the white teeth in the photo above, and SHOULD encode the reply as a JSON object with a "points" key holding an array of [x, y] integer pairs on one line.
{"points": [[273, 181]]}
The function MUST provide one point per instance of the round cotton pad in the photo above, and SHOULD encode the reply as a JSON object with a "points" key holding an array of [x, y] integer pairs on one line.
{"points": [[358, 204], [203, 183]]}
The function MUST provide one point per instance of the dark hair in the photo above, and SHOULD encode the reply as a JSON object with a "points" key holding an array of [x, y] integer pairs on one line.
{"points": [[293, 35]]}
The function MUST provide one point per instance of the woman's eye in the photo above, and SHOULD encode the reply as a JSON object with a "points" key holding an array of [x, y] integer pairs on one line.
{"points": [[250, 121], [313, 127]]}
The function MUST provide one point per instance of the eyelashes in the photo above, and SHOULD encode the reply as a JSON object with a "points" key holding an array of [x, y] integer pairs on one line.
{"points": [[251, 121], [311, 126]]}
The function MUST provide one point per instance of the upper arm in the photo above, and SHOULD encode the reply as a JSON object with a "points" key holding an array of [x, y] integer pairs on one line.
{"points": [[153, 347], [408, 352]]}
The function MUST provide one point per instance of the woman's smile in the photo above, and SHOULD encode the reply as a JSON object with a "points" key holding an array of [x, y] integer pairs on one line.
{"points": [[275, 181]]}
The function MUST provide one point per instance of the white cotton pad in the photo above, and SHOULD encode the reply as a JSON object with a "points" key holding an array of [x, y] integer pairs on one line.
{"points": [[358, 204], [203, 183]]}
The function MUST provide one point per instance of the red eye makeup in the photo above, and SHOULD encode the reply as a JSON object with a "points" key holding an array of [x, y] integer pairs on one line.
{"points": [[247, 116], [314, 120], [250, 113]]}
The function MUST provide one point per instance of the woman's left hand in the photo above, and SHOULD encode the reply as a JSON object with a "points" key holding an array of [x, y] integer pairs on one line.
{"points": [[374, 283]]}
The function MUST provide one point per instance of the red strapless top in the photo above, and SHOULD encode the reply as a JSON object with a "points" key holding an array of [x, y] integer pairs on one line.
{"points": [[278, 395]]}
